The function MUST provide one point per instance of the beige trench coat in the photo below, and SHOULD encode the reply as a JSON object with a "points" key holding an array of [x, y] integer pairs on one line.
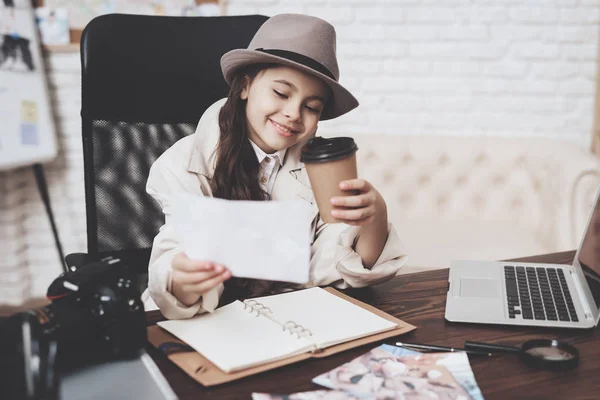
{"points": [[188, 166]]}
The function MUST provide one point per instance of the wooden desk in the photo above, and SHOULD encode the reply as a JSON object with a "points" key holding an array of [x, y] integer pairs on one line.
{"points": [[420, 300]]}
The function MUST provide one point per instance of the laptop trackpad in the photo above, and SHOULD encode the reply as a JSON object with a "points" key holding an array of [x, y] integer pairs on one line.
{"points": [[479, 287]]}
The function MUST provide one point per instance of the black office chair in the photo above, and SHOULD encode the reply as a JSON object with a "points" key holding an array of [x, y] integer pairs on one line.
{"points": [[145, 82]]}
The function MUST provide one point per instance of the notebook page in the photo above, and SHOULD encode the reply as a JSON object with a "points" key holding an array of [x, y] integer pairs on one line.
{"points": [[232, 338], [330, 319]]}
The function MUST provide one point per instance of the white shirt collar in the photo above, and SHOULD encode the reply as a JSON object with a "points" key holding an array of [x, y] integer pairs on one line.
{"points": [[261, 155]]}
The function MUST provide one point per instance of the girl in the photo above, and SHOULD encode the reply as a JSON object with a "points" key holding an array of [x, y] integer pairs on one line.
{"points": [[247, 147]]}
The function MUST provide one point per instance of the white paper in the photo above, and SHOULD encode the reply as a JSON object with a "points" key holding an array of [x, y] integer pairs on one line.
{"points": [[254, 239]]}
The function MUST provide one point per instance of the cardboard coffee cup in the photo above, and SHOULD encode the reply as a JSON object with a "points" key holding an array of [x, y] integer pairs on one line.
{"points": [[328, 162]]}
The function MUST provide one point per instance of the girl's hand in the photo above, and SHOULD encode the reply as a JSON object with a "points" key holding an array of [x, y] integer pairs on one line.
{"points": [[192, 279], [361, 209]]}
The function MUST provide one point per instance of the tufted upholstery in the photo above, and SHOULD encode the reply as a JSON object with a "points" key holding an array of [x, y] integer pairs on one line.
{"points": [[480, 197]]}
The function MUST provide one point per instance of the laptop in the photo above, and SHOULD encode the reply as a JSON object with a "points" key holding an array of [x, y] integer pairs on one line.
{"points": [[530, 294]]}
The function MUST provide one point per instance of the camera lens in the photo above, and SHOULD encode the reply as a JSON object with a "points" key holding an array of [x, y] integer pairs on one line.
{"points": [[27, 360]]}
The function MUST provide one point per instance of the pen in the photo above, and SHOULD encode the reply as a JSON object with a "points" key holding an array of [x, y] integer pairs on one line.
{"points": [[441, 348]]}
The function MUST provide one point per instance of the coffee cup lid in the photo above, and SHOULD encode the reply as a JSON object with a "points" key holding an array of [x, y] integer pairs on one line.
{"points": [[319, 149]]}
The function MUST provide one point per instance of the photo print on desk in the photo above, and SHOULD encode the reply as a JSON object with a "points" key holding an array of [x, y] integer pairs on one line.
{"points": [[388, 376], [313, 395], [457, 363]]}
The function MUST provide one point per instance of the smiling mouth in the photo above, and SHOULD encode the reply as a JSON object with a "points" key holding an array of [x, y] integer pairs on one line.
{"points": [[283, 129]]}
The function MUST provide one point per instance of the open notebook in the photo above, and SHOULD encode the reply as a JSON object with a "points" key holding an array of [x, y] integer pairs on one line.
{"points": [[242, 335]]}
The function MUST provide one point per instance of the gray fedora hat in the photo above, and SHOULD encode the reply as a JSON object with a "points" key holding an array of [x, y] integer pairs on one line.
{"points": [[300, 41]]}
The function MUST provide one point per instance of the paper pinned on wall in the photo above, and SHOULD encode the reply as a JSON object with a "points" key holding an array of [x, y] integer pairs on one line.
{"points": [[254, 239]]}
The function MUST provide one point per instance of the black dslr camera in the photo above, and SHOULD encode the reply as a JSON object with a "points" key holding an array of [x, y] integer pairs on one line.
{"points": [[96, 315]]}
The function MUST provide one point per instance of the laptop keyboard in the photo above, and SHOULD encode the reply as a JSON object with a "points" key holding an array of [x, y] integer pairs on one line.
{"points": [[538, 293]]}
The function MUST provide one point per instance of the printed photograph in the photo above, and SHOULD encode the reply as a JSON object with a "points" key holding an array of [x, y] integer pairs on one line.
{"points": [[53, 24], [17, 3], [387, 376], [457, 363], [17, 36], [314, 395]]}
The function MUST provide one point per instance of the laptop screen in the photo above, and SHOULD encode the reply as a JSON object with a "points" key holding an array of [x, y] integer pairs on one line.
{"points": [[589, 254]]}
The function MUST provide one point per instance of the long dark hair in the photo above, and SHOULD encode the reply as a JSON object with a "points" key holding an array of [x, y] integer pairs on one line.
{"points": [[236, 171]]}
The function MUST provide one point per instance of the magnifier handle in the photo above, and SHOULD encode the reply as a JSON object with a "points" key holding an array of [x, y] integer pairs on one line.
{"points": [[491, 347]]}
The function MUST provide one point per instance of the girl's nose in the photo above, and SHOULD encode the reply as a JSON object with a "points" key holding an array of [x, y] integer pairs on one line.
{"points": [[292, 112]]}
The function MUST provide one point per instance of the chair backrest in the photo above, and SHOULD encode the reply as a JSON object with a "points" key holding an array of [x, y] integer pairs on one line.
{"points": [[146, 81]]}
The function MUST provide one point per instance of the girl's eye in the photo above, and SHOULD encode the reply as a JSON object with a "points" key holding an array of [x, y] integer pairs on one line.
{"points": [[313, 110], [279, 94]]}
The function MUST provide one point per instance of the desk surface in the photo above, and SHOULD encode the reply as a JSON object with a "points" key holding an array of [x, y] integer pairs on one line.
{"points": [[419, 299]]}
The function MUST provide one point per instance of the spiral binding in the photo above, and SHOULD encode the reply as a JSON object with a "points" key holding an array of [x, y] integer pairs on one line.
{"points": [[294, 328], [259, 308], [290, 326]]}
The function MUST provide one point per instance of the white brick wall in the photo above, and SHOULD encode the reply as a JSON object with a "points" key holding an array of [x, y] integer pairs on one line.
{"points": [[418, 67], [480, 67]]}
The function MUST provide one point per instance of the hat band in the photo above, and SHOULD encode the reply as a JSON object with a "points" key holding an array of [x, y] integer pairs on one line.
{"points": [[300, 59]]}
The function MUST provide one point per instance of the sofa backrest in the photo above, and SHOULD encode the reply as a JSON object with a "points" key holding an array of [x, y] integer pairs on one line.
{"points": [[543, 185]]}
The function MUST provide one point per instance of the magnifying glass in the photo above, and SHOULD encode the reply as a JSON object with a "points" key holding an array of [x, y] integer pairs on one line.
{"points": [[537, 353]]}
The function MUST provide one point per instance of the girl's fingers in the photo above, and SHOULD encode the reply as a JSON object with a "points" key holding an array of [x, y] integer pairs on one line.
{"points": [[353, 215], [191, 278], [195, 278], [361, 222], [362, 200], [211, 283], [183, 263], [355, 184]]}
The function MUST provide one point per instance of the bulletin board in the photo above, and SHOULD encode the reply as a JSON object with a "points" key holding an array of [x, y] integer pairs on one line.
{"points": [[27, 131]]}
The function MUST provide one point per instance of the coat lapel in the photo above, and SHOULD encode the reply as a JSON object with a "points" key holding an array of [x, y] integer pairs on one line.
{"points": [[292, 183]]}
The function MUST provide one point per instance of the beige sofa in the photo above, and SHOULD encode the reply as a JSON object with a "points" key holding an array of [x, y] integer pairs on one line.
{"points": [[480, 198]]}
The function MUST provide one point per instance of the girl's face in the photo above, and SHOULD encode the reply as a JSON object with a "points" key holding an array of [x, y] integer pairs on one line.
{"points": [[283, 107]]}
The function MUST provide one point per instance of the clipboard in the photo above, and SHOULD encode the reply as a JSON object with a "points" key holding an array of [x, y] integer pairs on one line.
{"points": [[206, 373]]}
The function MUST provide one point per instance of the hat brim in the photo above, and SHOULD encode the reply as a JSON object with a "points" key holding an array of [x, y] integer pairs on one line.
{"points": [[343, 101]]}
